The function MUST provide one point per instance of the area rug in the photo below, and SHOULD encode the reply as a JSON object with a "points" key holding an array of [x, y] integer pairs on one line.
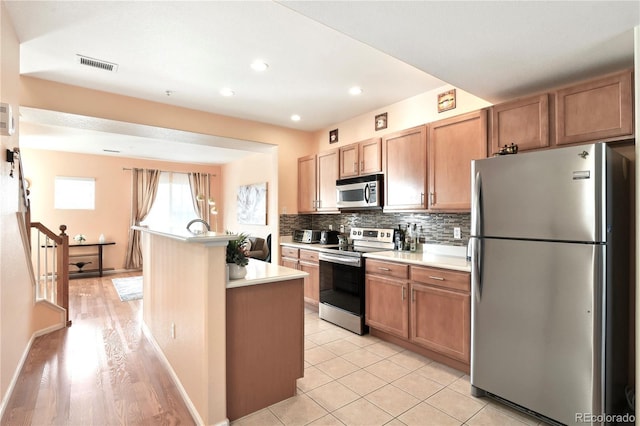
{"points": [[129, 288]]}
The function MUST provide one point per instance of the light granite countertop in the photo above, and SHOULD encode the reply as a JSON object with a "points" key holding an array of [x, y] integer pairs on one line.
{"points": [[433, 255], [259, 272]]}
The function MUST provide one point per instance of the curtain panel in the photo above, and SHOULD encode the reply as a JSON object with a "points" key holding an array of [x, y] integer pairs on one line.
{"points": [[144, 187], [200, 194]]}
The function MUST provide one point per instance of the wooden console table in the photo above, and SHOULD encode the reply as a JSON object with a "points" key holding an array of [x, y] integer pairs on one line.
{"points": [[97, 254]]}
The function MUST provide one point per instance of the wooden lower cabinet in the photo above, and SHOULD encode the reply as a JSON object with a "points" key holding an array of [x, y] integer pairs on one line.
{"points": [[310, 264], [440, 320], [307, 261], [428, 312], [387, 306]]}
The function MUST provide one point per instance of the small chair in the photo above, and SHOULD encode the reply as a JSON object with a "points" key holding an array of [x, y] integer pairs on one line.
{"points": [[260, 249]]}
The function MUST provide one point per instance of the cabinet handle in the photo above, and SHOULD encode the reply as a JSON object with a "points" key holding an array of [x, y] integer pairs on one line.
{"points": [[403, 292], [383, 269], [422, 198], [432, 197], [355, 167], [436, 278], [319, 203], [413, 294], [362, 166]]}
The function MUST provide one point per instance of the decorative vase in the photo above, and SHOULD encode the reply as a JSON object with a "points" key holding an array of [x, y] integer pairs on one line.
{"points": [[236, 271]]}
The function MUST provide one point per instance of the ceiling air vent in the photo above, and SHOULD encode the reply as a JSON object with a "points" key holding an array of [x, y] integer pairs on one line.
{"points": [[97, 63]]}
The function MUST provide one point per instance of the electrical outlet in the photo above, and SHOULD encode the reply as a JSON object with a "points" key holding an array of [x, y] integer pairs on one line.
{"points": [[173, 330], [456, 233]]}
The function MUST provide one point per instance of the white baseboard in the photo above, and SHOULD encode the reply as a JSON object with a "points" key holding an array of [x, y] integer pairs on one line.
{"points": [[176, 380], [23, 359]]}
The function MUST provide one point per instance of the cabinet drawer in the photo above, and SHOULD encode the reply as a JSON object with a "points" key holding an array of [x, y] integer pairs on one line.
{"points": [[289, 252], [441, 278], [388, 269], [309, 255]]}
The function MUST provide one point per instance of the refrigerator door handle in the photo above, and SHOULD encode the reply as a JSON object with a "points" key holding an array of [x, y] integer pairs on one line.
{"points": [[477, 206], [476, 270]]}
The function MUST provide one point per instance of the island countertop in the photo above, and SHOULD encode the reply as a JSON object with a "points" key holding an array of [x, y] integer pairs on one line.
{"points": [[182, 234], [259, 272]]}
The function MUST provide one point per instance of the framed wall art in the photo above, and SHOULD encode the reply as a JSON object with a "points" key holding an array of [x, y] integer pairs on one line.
{"points": [[447, 100], [252, 204], [381, 121], [333, 136]]}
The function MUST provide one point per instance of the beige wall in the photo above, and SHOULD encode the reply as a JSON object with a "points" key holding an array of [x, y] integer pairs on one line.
{"points": [[291, 143], [257, 168], [405, 114], [113, 194], [20, 318]]}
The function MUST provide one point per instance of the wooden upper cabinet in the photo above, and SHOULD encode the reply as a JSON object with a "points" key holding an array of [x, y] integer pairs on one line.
{"points": [[370, 156], [524, 122], [327, 175], [362, 158], [594, 111], [404, 159], [307, 184], [453, 143], [317, 175], [349, 161]]}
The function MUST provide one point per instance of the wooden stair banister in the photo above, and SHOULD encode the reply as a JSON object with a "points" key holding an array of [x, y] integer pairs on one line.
{"points": [[62, 265]]}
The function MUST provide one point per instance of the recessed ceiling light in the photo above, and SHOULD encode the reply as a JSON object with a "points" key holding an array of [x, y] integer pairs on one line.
{"points": [[227, 92], [355, 90], [259, 65], [295, 117]]}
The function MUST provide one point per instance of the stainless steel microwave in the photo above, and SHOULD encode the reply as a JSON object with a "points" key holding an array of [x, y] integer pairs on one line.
{"points": [[364, 192]]}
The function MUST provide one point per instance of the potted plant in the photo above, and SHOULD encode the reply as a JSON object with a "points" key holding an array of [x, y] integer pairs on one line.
{"points": [[237, 256]]}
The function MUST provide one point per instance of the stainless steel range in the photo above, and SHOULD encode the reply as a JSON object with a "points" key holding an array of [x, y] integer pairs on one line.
{"points": [[342, 295]]}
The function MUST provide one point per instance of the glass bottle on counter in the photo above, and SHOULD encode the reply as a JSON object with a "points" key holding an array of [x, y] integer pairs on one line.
{"points": [[414, 238], [399, 238], [407, 238]]}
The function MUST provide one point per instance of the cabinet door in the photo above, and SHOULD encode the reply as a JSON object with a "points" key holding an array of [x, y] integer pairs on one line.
{"points": [[524, 122], [307, 184], [440, 320], [453, 143], [327, 175], [596, 110], [349, 161], [371, 156], [312, 282], [405, 165], [289, 262], [387, 307]]}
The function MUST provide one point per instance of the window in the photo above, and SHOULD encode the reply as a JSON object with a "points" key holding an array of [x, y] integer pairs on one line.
{"points": [[78, 193], [173, 205]]}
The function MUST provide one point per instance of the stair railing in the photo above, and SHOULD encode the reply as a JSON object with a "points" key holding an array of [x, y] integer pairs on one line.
{"points": [[51, 255]]}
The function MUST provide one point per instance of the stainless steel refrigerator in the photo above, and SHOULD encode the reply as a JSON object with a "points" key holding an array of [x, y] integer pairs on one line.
{"points": [[550, 282]]}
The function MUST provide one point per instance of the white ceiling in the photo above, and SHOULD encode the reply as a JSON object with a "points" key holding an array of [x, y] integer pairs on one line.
{"points": [[316, 51]]}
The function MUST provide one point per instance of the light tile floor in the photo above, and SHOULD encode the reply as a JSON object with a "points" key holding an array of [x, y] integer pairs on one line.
{"points": [[362, 380]]}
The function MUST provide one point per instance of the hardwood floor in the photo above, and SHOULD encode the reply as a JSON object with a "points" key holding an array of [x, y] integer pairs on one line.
{"points": [[100, 371]]}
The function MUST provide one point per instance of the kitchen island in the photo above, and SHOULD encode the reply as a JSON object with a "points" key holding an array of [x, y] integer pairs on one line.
{"points": [[206, 328]]}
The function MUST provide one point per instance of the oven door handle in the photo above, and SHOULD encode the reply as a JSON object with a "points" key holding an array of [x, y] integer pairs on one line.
{"points": [[355, 261]]}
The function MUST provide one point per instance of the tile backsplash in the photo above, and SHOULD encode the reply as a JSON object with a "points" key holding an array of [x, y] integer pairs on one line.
{"points": [[437, 227]]}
